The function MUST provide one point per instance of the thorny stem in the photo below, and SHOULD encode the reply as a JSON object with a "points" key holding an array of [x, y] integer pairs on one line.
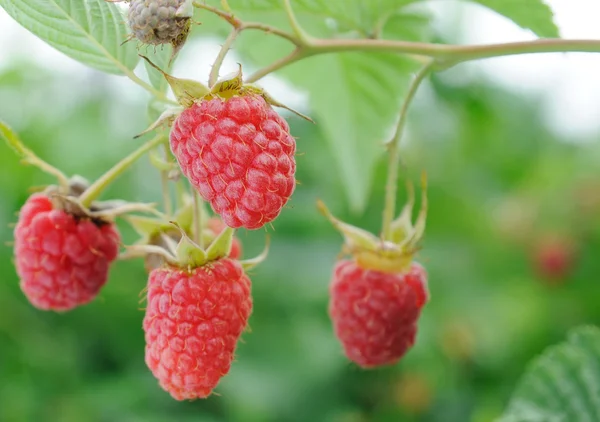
{"points": [[214, 73], [228, 16], [391, 186], [92, 192], [29, 156]]}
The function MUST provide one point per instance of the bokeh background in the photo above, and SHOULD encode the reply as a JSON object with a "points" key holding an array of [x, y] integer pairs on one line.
{"points": [[511, 148]]}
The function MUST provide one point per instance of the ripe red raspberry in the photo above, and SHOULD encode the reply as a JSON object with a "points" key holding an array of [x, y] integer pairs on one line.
{"points": [[375, 313], [238, 153], [192, 324], [62, 260], [216, 225], [555, 258]]}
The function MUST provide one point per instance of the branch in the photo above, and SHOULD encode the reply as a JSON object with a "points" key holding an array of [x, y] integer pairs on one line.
{"points": [[446, 55], [392, 175], [294, 56], [242, 26], [93, 191], [214, 72]]}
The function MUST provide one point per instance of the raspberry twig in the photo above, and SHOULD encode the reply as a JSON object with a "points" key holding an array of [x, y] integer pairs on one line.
{"points": [[447, 55], [225, 6], [29, 157], [214, 73], [242, 26], [296, 55], [392, 176], [102, 183]]}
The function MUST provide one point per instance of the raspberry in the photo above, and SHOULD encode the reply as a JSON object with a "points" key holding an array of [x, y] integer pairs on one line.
{"points": [[156, 21], [62, 260], [192, 324], [375, 313], [238, 153], [554, 258]]}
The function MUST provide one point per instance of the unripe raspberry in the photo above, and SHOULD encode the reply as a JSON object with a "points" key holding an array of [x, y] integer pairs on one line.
{"points": [[193, 322], [156, 21], [62, 259], [238, 153], [375, 313]]}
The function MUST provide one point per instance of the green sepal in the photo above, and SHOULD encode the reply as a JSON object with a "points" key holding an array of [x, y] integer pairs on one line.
{"points": [[164, 121], [232, 82], [272, 101], [188, 252], [221, 246], [248, 264], [402, 227], [184, 216], [409, 234], [186, 91], [355, 237]]}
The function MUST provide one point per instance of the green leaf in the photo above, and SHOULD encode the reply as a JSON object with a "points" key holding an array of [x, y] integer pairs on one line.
{"points": [[355, 99], [563, 384], [89, 31], [529, 14]]}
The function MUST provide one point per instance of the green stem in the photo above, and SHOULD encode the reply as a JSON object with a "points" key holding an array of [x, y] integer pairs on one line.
{"points": [[296, 55], [225, 6], [180, 193], [105, 180], [456, 53], [197, 205], [29, 157], [445, 54], [214, 73], [166, 193], [391, 186], [242, 26], [301, 35]]}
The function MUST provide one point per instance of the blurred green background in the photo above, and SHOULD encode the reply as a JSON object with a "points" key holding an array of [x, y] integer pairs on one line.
{"points": [[503, 190]]}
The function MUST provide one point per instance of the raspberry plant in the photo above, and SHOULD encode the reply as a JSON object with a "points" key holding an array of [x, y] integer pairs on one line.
{"points": [[226, 143]]}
